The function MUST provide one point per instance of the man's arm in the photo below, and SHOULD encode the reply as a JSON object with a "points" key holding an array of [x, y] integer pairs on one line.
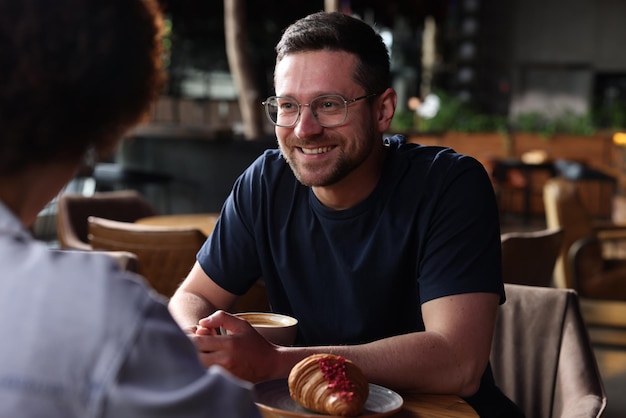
{"points": [[449, 357], [196, 298]]}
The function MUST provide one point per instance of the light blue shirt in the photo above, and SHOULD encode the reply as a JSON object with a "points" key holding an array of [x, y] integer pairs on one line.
{"points": [[80, 338]]}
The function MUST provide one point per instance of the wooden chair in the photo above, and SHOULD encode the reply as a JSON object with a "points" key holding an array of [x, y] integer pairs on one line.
{"points": [[529, 257], [587, 262], [74, 209], [541, 355], [165, 255]]}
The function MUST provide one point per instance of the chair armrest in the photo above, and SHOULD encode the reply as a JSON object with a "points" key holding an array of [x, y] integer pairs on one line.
{"points": [[593, 274], [585, 260]]}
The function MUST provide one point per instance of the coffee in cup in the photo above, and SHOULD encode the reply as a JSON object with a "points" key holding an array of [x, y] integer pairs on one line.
{"points": [[276, 328]]}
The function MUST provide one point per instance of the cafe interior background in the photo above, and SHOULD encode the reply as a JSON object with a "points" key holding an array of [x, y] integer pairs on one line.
{"points": [[524, 80], [503, 69]]}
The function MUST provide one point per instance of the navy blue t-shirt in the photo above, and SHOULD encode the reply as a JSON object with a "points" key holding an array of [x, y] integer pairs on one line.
{"points": [[429, 229]]}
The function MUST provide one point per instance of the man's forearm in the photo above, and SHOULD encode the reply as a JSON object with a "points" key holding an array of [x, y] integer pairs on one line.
{"points": [[188, 308], [417, 361]]}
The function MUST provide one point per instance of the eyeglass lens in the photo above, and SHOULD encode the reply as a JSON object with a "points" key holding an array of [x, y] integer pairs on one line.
{"points": [[328, 110]]}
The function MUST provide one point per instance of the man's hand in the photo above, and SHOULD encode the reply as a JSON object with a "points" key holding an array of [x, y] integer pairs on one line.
{"points": [[234, 344]]}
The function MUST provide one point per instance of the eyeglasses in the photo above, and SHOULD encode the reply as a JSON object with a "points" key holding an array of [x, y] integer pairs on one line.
{"points": [[328, 110]]}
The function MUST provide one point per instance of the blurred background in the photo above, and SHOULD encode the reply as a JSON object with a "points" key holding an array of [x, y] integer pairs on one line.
{"points": [[523, 59], [533, 89]]}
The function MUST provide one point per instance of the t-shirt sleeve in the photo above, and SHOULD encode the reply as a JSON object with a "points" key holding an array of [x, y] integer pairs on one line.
{"points": [[461, 249], [229, 256]]}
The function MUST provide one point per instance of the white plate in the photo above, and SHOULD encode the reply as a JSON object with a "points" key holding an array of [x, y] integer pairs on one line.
{"points": [[273, 397]]}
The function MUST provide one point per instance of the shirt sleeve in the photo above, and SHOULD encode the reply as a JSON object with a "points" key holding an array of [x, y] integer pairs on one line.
{"points": [[230, 255], [461, 245], [161, 376]]}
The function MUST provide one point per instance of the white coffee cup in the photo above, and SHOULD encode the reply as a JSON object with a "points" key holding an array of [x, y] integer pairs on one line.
{"points": [[276, 328]]}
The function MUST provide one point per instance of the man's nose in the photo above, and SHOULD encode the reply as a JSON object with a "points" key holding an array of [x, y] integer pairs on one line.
{"points": [[307, 125]]}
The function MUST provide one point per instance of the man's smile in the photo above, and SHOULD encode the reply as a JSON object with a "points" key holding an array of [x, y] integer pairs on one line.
{"points": [[318, 150]]}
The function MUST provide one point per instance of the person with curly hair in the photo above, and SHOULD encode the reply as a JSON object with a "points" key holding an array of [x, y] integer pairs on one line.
{"points": [[80, 337]]}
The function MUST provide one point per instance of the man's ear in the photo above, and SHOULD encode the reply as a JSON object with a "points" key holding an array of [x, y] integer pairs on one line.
{"points": [[386, 109]]}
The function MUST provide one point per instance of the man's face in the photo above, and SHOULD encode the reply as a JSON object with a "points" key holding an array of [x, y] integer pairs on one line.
{"points": [[319, 156]]}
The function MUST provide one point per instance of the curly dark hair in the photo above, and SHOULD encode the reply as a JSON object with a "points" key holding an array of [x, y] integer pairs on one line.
{"points": [[74, 74], [336, 31]]}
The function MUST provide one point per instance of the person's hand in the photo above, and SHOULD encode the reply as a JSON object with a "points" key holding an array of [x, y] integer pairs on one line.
{"points": [[190, 330], [238, 347], [193, 330]]}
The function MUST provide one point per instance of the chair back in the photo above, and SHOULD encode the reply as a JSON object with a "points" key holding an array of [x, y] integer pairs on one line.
{"points": [[529, 257], [564, 209], [165, 254], [541, 355], [74, 209]]}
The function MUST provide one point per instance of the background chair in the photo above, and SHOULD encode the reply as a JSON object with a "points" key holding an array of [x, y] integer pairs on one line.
{"points": [[592, 274], [590, 263], [74, 209], [541, 355], [604, 240], [529, 257], [165, 255]]}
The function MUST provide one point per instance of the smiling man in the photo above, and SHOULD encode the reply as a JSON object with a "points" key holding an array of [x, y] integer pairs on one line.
{"points": [[387, 253]]}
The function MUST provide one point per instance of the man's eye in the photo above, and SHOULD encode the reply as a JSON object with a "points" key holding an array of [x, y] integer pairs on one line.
{"points": [[329, 105]]}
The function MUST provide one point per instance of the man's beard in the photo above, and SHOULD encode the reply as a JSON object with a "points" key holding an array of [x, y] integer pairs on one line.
{"points": [[338, 172], [342, 167]]}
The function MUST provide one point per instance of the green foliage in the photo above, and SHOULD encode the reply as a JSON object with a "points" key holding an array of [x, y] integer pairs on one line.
{"points": [[456, 115], [470, 121], [612, 116], [403, 121], [575, 124], [533, 122], [566, 123]]}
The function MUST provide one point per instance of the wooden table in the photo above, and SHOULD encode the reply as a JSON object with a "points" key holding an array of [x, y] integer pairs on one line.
{"points": [[418, 405], [415, 406], [205, 222]]}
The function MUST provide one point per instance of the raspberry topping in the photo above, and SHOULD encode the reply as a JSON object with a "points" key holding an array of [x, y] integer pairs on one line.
{"points": [[335, 372]]}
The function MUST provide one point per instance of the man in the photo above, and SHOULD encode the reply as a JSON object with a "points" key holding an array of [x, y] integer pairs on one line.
{"points": [[80, 338], [387, 253]]}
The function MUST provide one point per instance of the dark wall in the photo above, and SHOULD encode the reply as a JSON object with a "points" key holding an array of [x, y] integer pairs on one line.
{"points": [[203, 171]]}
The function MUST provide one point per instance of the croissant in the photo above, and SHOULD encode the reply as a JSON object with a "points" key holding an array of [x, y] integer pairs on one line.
{"points": [[329, 384]]}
